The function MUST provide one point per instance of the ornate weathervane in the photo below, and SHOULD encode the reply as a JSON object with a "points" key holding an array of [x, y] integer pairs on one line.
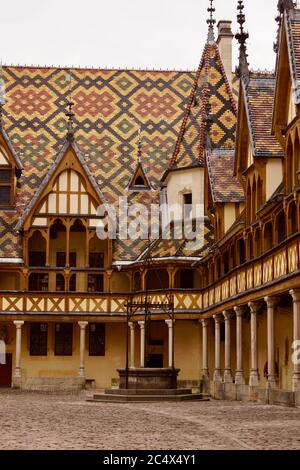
{"points": [[242, 36], [211, 22], [69, 114]]}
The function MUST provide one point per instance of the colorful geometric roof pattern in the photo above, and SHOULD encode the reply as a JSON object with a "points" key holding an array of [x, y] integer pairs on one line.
{"points": [[110, 106], [211, 96], [223, 185], [259, 95]]}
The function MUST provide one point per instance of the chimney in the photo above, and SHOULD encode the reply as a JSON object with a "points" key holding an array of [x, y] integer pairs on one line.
{"points": [[224, 42]]}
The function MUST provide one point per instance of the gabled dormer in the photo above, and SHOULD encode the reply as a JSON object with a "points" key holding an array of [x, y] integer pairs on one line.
{"points": [[10, 169], [139, 180]]}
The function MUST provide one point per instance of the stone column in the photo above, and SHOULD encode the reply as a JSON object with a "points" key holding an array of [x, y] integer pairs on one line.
{"points": [[227, 371], [18, 324], [217, 371], [272, 376], [142, 357], [82, 326], [296, 337], [132, 344], [170, 324], [205, 370], [239, 376], [254, 377]]}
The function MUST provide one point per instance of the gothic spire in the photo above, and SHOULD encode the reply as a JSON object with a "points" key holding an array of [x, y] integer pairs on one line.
{"points": [[211, 22], [242, 36], [285, 5]]}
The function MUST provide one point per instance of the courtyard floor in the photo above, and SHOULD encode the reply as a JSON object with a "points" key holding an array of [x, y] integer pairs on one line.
{"points": [[57, 421]]}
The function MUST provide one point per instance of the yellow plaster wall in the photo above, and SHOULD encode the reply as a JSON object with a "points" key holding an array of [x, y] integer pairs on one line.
{"points": [[188, 350], [9, 281], [229, 215], [120, 282], [283, 351], [273, 176]]}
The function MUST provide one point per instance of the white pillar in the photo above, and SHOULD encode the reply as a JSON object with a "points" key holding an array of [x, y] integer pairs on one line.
{"points": [[239, 376], [142, 357], [82, 326], [296, 336], [170, 324], [205, 370], [271, 304], [18, 325], [254, 376], [217, 371], [227, 371], [132, 344]]}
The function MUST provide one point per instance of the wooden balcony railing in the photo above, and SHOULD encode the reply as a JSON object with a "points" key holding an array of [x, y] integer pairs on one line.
{"points": [[273, 266]]}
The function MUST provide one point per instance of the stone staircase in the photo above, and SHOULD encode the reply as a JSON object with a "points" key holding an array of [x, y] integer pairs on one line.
{"points": [[146, 395]]}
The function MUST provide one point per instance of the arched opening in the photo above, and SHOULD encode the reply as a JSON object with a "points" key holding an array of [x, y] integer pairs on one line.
{"points": [[259, 194], [77, 244], [57, 251], [293, 218], [137, 285], [280, 227], [218, 267], [97, 252], [226, 262], [257, 242], [185, 279], [212, 273], [72, 283], [60, 283], [250, 246], [290, 180], [38, 282], [253, 200], [157, 279], [268, 236], [296, 160], [248, 203], [242, 250], [37, 250], [233, 257]]}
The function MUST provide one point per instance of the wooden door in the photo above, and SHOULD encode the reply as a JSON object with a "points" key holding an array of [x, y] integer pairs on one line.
{"points": [[6, 372]]}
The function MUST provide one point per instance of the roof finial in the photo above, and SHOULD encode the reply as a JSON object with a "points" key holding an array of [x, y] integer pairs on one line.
{"points": [[70, 115], [140, 145], [2, 94], [242, 36], [211, 22], [286, 5]]}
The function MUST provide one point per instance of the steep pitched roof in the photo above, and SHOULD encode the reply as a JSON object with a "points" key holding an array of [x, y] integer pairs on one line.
{"points": [[50, 174], [210, 96], [292, 25], [13, 153], [109, 107], [259, 98], [224, 186]]}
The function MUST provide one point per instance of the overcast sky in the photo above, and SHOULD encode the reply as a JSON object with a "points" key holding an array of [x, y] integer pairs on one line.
{"points": [[125, 33]]}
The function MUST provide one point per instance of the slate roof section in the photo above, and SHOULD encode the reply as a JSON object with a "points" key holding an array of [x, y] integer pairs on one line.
{"points": [[292, 24], [259, 96], [224, 186]]}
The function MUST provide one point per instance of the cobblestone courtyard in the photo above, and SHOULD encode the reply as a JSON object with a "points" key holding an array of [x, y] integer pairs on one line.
{"points": [[42, 421]]}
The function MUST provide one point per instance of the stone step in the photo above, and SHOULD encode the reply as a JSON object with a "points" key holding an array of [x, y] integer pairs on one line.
{"points": [[147, 398], [131, 391]]}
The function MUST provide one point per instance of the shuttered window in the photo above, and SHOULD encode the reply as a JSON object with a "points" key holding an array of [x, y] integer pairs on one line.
{"points": [[63, 339], [96, 339], [38, 339]]}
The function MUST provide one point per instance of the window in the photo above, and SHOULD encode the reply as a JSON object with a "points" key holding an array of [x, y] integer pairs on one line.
{"points": [[226, 262], [242, 251], [60, 283], [187, 208], [38, 339], [37, 258], [72, 283], [96, 260], [38, 282], [5, 186], [61, 259], [97, 339], [139, 181], [95, 283], [63, 339]]}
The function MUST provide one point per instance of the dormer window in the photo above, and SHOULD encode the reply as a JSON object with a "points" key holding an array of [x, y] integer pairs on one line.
{"points": [[6, 186], [140, 182]]}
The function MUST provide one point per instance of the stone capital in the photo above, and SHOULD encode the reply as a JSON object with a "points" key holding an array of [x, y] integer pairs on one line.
{"points": [[227, 314], [204, 322], [142, 324], [217, 318], [239, 311], [295, 293], [83, 324], [254, 306], [271, 301], [18, 323], [170, 323], [131, 325]]}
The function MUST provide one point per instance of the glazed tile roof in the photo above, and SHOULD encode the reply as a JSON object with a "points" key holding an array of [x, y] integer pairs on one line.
{"points": [[223, 185], [110, 106], [259, 95], [210, 95]]}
